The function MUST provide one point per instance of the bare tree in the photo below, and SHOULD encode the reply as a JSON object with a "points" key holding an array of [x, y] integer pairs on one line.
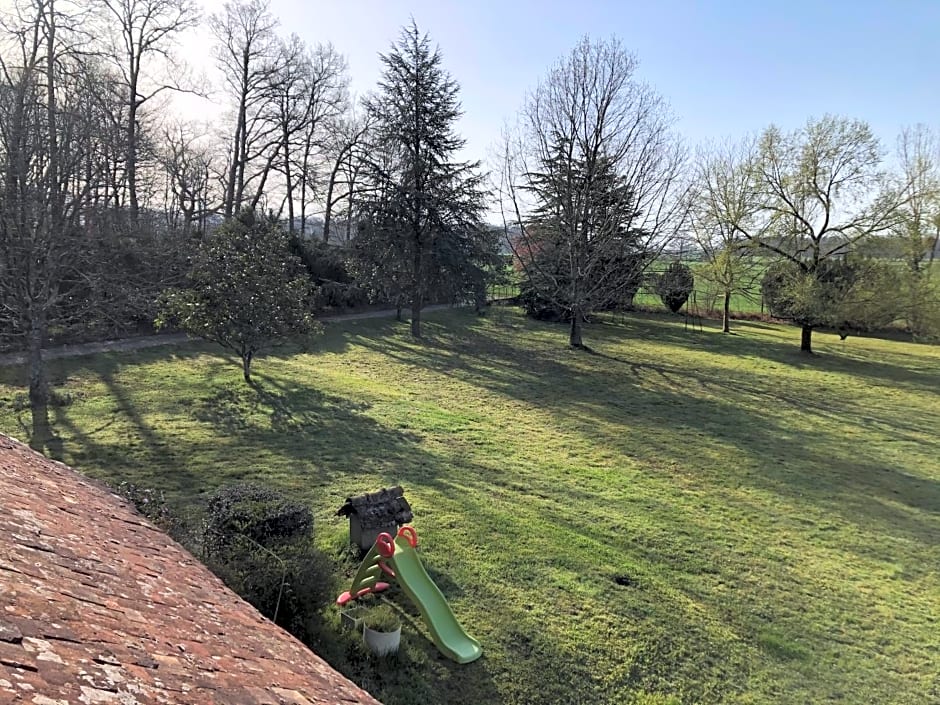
{"points": [[106, 109], [820, 190], [326, 105], [288, 110], [45, 137], [591, 181], [918, 229], [308, 93], [248, 53], [347, 148], [187, 162], [725, 202], [142, 30]]}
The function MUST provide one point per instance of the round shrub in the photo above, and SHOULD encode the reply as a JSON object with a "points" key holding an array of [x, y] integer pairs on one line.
{"points": [[538, 306], [259, 542], [255, 511], [675, 286]]}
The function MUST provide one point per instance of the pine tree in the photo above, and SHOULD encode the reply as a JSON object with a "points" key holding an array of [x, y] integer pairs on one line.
{"points": [[586, 252], [424, 209], [592, 180]]}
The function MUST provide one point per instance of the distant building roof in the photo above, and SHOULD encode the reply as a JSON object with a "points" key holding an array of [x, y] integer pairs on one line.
{"points": [[97, 606], [379, 509]]}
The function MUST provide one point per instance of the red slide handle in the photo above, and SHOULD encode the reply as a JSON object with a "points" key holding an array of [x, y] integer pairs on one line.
{"points": [[385, 544], [409, 533]]}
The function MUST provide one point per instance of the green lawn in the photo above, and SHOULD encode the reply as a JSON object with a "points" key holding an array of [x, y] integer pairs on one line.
{"points": [[715, 518]]}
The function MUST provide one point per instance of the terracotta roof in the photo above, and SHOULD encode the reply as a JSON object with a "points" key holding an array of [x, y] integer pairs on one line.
{"points": [[97, 606]]}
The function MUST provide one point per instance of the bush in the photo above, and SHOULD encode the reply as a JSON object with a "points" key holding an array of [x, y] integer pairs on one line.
{"points": [[258, 512], [538, 306], [288, 585], [260, 543], [854, 294], [872, 299], [675, 286], [150, 503], [327, 267]]}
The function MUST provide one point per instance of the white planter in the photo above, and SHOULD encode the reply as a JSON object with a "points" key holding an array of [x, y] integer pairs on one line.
{"points": [[382, 643]]}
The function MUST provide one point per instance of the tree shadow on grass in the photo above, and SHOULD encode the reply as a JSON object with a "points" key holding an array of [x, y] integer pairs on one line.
{"points": [[754, 386], [845, 361], [324, 439], [525, 630], [818, 466], [861, 486], [140, 457], [276, 423], [234, 410]]}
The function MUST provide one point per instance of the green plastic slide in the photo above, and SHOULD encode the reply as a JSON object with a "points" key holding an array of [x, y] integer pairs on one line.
{"points": [[446, 632], [396, 559]]}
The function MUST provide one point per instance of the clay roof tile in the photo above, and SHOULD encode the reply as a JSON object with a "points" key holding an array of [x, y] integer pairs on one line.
{"points": [[98, 605]]}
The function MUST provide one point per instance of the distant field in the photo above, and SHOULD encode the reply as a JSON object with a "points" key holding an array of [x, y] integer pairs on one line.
{"points": [[677, 517], [707, 297], [707, 301]]}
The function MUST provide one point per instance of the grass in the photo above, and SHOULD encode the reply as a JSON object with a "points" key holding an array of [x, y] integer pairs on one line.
{"points": [[677, 517]]}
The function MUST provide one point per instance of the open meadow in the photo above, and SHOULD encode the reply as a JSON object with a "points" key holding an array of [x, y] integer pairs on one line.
{"points": [[674, 517]]}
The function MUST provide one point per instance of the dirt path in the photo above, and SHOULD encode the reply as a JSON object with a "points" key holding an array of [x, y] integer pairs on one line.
{"points": [[153, 341]]}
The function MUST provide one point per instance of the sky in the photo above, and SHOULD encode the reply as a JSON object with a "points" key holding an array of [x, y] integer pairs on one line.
{"points": [[727, 68]]}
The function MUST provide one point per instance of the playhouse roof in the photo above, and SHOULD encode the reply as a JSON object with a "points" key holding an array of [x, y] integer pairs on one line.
{"points": [[99, 606], [378, 509]]}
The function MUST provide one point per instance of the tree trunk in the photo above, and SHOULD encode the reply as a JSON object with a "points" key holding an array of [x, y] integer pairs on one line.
{"points": [[235, 188], [328, 209], [574, 339], [806, 339], [417, 294], [304, 172], [416, 314], [726, 314], [229, 205], [131, 153], [246, 366], [479, 300], [288, 183], [38, 390]]}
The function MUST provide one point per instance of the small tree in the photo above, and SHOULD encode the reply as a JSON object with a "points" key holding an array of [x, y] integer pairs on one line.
{"points": [[806, 298], [723, 206], [822, 191], [246, 290], [675, 285], [851, 294], [917, 232]]}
